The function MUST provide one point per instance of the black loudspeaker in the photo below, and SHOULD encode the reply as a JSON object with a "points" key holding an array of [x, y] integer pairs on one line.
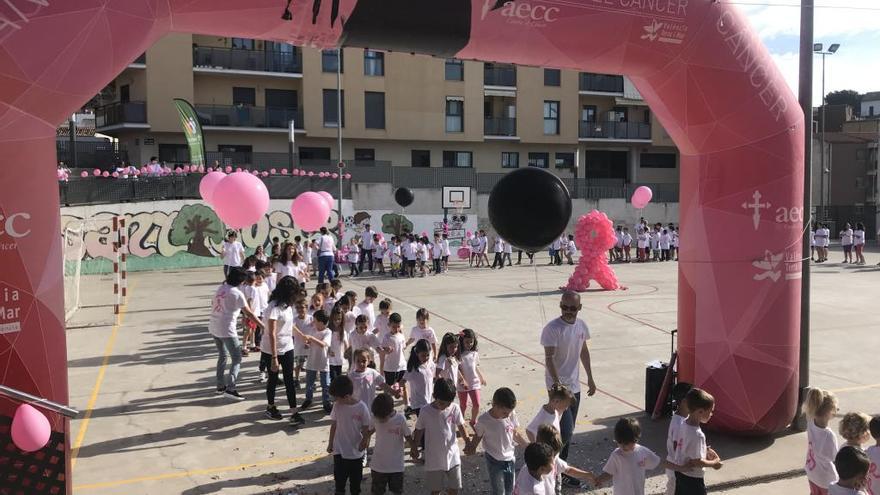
{"points": [[654, 378]]}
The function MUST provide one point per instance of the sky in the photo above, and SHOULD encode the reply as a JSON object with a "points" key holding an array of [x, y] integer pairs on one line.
{"points": [[855, 24]]}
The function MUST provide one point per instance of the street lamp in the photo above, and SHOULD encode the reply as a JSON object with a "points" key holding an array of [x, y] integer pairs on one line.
{"points": [[818, 48]]}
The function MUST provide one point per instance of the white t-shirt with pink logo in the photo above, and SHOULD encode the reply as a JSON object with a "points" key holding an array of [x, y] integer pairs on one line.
{"points": [[874, 471], [388, 452], [225, 307], [350, 420], [821, 450], [497, 435], [628, 469], [441, 443], [568, 339], [365, 384]]}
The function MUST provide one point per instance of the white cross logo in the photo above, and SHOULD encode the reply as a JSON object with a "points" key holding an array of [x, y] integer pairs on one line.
{"points": [[756, 206], [768, 264]]}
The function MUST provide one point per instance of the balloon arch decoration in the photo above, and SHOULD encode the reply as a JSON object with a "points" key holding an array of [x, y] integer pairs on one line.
{"points": [[697, 63]]}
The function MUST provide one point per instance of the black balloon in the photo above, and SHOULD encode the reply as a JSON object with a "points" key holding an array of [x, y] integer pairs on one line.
{"points": [[403, 196], [530, 208]]}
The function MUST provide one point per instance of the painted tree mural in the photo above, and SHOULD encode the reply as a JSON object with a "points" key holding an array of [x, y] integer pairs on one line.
{"points": [[394, 224], [193, 225]]}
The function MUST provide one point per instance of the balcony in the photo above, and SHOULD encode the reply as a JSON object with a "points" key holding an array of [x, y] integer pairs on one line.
{"points": [[600, 83], [638, 131], [131, 114], [256, 118], [499, 126], [499, 75], [139, 63], [220, 60]]}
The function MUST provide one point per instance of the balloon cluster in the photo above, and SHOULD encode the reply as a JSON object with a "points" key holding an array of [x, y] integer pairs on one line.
{"points": [[594, 236]]}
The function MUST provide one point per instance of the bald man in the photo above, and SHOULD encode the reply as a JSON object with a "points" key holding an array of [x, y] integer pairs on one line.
{"points": [[565, 343]]}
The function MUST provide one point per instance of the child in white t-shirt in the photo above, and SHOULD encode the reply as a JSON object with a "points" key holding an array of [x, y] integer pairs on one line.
{"points": [[498, 429], [852, 465], [447, 361], [437, 425], [424, 255], [419, 377], [691, 449], [349, 435], [381, 327], [423, 331], [854, 429], [392, 352], [379, 249], [627, 243], [679, 391], [873, 453], [559, 400], [819, 407], [626, 466], [354, 252], [533, 477], [392, 434], [570, 250], [472, 379], [366, 380], [549, 435], [304, 321], [362, 339]]}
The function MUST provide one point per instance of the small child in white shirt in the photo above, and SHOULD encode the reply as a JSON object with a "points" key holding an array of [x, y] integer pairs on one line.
{"points": [[498, 429], [560, 398], [691, 449], [392, 434], [354, 252], [820, 407], [349, 435], [873, 453], [626, 466], [437, 424], [533, 477], [679, 392], [852, 465]]}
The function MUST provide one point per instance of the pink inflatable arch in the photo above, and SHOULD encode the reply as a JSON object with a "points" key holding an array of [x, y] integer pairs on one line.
{"points": [[697, 63]]}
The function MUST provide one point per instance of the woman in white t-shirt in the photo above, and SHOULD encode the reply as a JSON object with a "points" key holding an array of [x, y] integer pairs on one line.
{"points": [[285, 265], [326, 252], [813, 242], [231, 251], [859, 243], [821, 243], [278, 345], [846, 240]]}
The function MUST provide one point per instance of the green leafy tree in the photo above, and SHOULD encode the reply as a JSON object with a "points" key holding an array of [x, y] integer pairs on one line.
{"points": [[394, 224], [845, 97], [192, 226]]}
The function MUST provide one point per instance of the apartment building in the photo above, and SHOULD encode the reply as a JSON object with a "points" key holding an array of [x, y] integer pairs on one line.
{"points": [[406, 110]]}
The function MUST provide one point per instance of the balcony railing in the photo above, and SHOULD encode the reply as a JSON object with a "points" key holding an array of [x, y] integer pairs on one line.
{"points": [[249, 60], [141, 60], [131, 112], [494, 75], [602, 83], [614, 130], [247, 116], [499, 126]]}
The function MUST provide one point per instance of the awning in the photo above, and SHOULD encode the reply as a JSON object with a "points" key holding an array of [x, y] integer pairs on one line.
{"points": [[630, 102], [508, 93], [455, 98]]}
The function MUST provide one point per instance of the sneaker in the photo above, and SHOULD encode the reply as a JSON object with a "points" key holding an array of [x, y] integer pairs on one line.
{"points": [[296, 419], [272, 413], [263, 377], [244, 352], [296, 384], [220, 390], [233, 395], [328, 407], [306, 404], [569, 481]]}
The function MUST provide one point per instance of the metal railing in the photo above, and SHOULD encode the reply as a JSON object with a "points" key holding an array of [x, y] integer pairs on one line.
{"points": [[130, 112], [499, 126], [499, 75], [614, 130], [251, 60], [248, 116], [602, 83], [91, 154]]}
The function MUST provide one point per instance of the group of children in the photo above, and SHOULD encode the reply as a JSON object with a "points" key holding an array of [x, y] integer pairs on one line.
{"points": [[851, 240], [652, 243], [846, 469]]}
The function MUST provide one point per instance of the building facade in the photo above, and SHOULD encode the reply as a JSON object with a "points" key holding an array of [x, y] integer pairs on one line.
{"points": [[397, 108]]}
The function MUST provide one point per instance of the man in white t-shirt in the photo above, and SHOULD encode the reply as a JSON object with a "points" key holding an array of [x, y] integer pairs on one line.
{"points": [[367, 246], [565, 347], [326, 252]]}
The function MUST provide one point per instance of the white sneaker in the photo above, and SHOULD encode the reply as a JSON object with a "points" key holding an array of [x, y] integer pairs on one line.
{"points": [[263, 377]]}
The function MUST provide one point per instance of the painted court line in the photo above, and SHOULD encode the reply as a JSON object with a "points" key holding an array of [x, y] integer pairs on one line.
{"points": [[108, 350]]}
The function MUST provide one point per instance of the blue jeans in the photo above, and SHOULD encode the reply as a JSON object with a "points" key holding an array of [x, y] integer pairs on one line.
{"points": [[500, 476], [325, 266], [325, 385], [227, 346], [566, 425]]}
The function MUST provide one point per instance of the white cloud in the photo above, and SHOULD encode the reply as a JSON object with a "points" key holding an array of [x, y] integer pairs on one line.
{"points": [[841, 18]]}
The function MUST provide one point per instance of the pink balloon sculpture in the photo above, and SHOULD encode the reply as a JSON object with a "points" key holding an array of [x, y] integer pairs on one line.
{"points": [[208, 184], [30, 428], [594, 236], [240, 200], [328, 198], [83, 174], [310, 211], [641, 197]]}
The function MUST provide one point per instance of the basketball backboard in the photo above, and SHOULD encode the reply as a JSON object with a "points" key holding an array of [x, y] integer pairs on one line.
{"points": [[457, 197]]}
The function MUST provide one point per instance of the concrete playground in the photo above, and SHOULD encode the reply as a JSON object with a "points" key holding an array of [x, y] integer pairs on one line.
{"points": [[151, 423]]}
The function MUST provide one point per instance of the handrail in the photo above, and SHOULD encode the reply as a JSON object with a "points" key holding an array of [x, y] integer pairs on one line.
{"points": [[38, 401]]}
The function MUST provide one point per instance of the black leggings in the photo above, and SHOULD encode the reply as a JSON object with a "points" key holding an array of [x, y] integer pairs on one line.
{"points": [[349, 471], [437, 265], [335, 370], [286, 363]]}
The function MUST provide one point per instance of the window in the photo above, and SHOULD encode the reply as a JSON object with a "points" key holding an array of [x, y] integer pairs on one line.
{"points": [[539, 160], [365, 154], [509, 159], [421, 158], [458, 159], [552, 77], [330, 117], [565, 160], [236, 153], [588, 113], [871, 111], [243, 43], [173, 153], [374, 110], [454, 70], [308, 153], [454, 115], [658, 160], [244, 96], [374, 63], [331, 59], [646, 116], [124, 93], [551, 117], [618, 114]]}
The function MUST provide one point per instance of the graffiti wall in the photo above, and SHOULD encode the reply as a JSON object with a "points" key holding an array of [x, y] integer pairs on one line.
{"points": [[187, 234]]}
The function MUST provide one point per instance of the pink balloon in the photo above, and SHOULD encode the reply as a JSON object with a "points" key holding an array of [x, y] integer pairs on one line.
{"points": [[208, 184], [83, 174], [115, 175], [105, 174], [255, 172], [346, 176], [30, 428], [201, 169], [264, 174], [641, 197], [309, 211], [328, 198], [335, 175], [178, 170], [228, 169], [240, 200], [238, 169], [311, 174], [96, 172], [210, 169], [283, 171], [186, 169], [273, 171]]}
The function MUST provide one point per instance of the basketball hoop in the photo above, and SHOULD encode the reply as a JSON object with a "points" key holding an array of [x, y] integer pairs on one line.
{"points": [[458, 206]]}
